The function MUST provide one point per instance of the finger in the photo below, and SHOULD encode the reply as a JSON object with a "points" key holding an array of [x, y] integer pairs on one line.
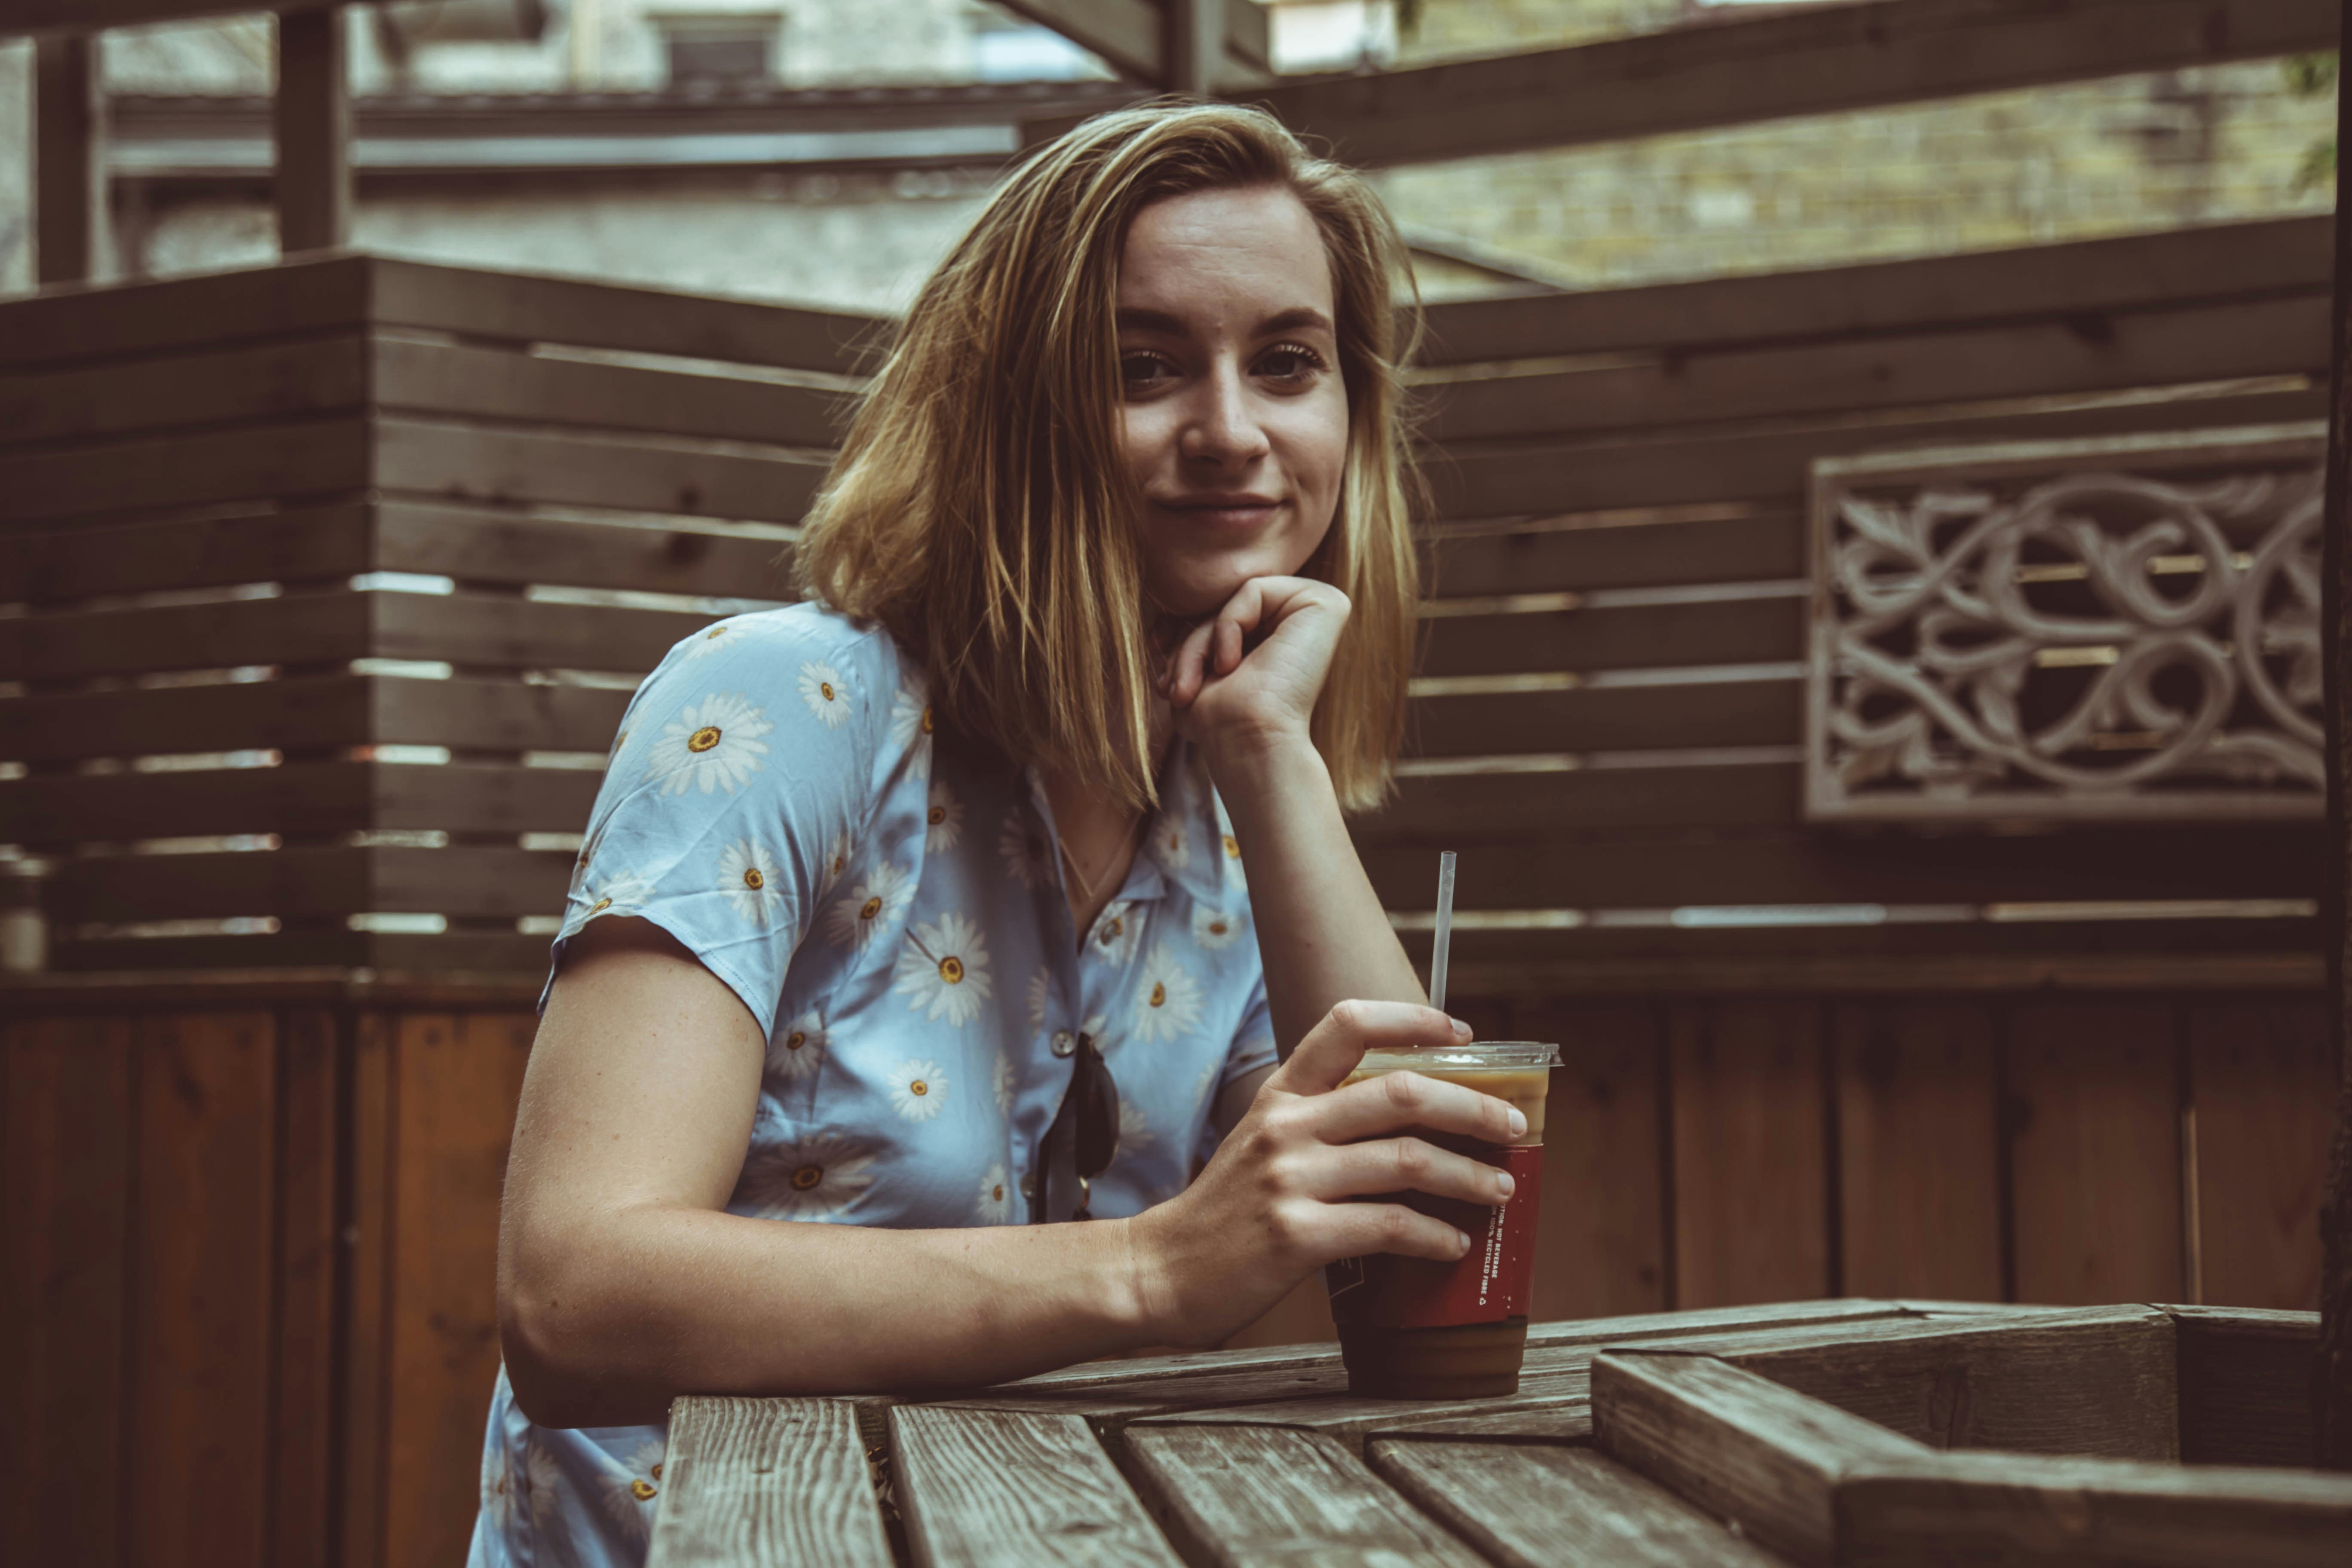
{"points": [[1395, 1100], [1229, 644], [1407, 1165], [1352, 1230], [1188, 677], [1335, 1045]]}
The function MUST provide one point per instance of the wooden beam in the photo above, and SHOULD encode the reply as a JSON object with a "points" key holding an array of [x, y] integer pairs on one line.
{"points": [[84, 16], [1131, 35], [2331, 1377], [314, 133], [1195, 29], [69, 163], [1814, 61]]}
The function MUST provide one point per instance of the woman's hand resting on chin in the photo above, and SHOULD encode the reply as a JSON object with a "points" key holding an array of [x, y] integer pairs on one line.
{"points": [[1273, 1205], [1245, 681]]}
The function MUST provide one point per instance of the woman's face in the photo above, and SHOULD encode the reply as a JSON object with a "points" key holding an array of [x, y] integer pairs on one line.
{"points": [[1235, 420]]}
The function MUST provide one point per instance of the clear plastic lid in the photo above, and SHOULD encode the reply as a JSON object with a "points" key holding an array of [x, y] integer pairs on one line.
{"points": [[1479, 1055]]}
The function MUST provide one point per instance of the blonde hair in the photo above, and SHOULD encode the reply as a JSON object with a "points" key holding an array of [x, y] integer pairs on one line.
{"points": [[980, 510]]}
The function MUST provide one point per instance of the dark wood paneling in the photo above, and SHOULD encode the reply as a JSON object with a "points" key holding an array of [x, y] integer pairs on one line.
{"points": [[1918, 1144], [1605, 718], [302, 296], [2095, 1153], [1731, 631], [458, 1078], [309, 1237], [1710, 465], [84, 561], [1630, 871], [1440, 809], [2264, 1096], [475, 879], [1751, 1196], [2097, 352], [1630, 553], [304, 798], [367, 1359], [2245, 1386], [202, 1324], [306, 376], [241, 463], [1600, 1231], [2083, 277], [66, 1160], [459, 462]]}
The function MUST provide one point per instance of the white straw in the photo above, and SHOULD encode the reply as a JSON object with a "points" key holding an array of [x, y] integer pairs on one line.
{"points": [[1444, 930]]}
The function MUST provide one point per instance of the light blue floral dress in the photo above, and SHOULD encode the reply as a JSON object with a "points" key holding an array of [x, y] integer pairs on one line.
{"points": [[888, 902]]}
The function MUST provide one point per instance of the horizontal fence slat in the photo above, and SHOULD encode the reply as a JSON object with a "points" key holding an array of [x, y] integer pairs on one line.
{"points": [[1438, 811], [240, 463], [84, 561], [471, 463], [219, 386], [1606, 719], [313, 712], [388, 954], [454, 380], [2210, 262], [532, 308], [1711, 466], [298, 798], [2084, 351], [297, 628], [159, 316], [1636, 872], [473, 880], [1621, 554], [1737, 631]]}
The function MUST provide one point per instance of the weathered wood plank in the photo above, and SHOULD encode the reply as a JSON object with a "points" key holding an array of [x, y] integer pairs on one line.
{"points": [[1738, 1445], [1747, 709], [2209, 261], [279, 458], [2245, 1385], [1978, 1508], [1254, 1497], [765, 1483], [69, 159], [456, 1080], [450, 460], [1750, 1185], [1532, 1506], [1433, 807], [236, 385], [1601, 1226], [1618, 551], [303, 296], [1609, 636], [2262, 1106], [1817, 60], [309, 1127], [2096, 1156], [980, 1488], [310, 120], [2098, 1383], [472, 879], [304, 798], [367, 1359], [67, 1093], [1918, 1151], [201, 1299]]}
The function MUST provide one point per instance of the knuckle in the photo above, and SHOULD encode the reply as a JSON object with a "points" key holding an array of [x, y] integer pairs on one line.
{"points": [[1406, 1091], [1347, 1017], [1395, 1226], [1414, 1160]]}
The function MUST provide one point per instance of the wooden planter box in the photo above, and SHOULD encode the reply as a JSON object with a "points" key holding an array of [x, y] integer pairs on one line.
{"points": [[2157, 1436]]}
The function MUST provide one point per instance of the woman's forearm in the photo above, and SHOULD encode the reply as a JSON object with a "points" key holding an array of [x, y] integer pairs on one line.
{"points": [[1321, 930], [669, 1299]]}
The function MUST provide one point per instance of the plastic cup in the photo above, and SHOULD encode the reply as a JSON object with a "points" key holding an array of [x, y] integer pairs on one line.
{"points": [[1412, 1328]]}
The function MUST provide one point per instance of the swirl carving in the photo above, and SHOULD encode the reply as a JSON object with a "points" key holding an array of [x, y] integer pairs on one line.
{"points": [[2070, 644]]}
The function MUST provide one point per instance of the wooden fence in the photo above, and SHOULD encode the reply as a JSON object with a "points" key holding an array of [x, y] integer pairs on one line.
{"points": [[252, 1230]]}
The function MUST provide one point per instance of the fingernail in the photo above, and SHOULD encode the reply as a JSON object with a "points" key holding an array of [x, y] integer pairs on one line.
{"points": [[1462, 1028], [1519, 1121], [1464, 1237], [1504, 1185]]}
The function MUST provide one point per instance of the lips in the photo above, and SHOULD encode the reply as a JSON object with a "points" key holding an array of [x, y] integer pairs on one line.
{"points": [[1235, 510]]}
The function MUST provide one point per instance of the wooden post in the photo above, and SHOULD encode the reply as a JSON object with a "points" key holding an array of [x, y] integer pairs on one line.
{"points": [[313, 122], [1196, 45], [68, 160], [2333, 1390]]}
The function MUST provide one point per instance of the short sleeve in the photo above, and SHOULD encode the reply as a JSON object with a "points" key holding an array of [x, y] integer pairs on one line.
{"points": [[744, 773], [1253, 1046]]}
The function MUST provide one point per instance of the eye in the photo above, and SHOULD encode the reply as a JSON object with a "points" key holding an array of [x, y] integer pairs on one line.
{"points": [[1292, 362], [1142, 370]]}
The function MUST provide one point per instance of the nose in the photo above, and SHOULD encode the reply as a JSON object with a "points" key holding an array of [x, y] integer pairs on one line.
{"points": [[1223, 428]]}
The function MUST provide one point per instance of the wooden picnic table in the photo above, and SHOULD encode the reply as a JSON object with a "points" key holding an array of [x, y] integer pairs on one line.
{"points": [[1261, 1456]]}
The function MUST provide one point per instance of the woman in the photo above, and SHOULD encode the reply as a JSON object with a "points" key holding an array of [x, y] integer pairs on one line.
{"points": [[1019, 844]]}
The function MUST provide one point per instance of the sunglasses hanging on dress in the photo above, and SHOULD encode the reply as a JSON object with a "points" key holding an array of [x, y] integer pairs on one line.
{"points": [[1082, 1140]]}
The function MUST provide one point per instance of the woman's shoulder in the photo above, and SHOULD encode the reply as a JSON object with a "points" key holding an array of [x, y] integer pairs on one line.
{"points": [[845, 671]]}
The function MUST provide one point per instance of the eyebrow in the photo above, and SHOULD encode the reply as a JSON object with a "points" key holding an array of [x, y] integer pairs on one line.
{"points": [[1296, 318]]}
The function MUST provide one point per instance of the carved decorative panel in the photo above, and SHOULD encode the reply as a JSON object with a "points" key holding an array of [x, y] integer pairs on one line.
{"points": [[2120, 627]]}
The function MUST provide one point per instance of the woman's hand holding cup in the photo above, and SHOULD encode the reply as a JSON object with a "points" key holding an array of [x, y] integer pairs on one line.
{"points": [[1276, 1200]]}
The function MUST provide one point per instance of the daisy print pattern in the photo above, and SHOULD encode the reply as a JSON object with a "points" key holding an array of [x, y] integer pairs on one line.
{"points": [[917, 1089], [1167, 999], [1215, 930], [793, 1055], [1174, 846], [1026, 855], [827, 696], [621, 893], [1041, 997], [995, 1206], [713, 745], [629, 1490], [1114, 930], [747, 875], [871, 906], [944, 820], [910, 718], [836, 861], [1001, 1084], [943, 970], [812, 1179], [726, 634], [1134, 1131]]}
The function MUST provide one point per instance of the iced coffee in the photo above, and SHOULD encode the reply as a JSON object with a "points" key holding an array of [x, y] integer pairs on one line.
{"points": [[1412, 1328]]}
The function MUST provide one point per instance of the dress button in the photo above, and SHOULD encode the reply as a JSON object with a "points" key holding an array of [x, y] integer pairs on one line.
{"points": [[1029, 1187], [1065, 1043]]}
